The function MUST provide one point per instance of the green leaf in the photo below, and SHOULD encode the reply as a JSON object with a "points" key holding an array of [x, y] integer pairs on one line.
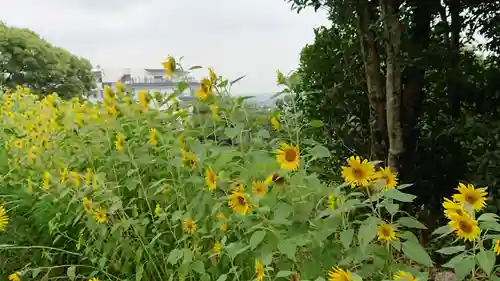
{"points": [[451, 250], [493, 225], [415, 252], [451, 263], [231, 83], [464, 267], [139, 270], [445, 229], [411, 222], [236, 248], [409, 236], [320, 151], [282, 212], [174, 256], [422, 276], [356, 277], [195, 67], [288, 248], [390, 207], [399, 196], [71, 272], [35, 272], [367, 231], [188, 255], [284, 273], [223, 277], [404, 185], [316, 123], [488, 217], [346, 237], [256, 238], [198, 266], [486, 260]]}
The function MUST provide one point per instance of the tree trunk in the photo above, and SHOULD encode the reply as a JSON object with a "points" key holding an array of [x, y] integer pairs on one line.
{"points": [[376, 95], [413, 95], [392, 31]]}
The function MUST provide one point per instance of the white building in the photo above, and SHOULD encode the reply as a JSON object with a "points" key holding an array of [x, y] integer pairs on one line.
{"points": [[149, 79]]}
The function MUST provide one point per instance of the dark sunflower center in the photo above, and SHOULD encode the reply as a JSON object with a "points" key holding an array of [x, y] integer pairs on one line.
{"points": [[471, 198], [386, 231], [459, 212], [241, 200], [358, 173], [211, 177], [277, 179], [290, 155], [465, 226]]}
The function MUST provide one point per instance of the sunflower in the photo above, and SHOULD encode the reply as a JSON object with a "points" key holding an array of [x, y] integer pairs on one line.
{"points": [[276, 178], [157, 210], [144, 99], [64, 175], [46, 180], [87, 205], [259, 270], [75, 178], [205, 89], [288, 156], [169, 66], [119, 142], [390, 178], [332, 202], [239, 203], [259, 188], [100, 215], [19, 143], [4, 218], [465, 227], [152, 137], [476, 198], [497, 247], [386, 232], [238, 187], [358, 173], [338, 274], [16, 276], [452, 208], [189, 226], [210, 179], [88, 176], [275, 123], [120, 88], [403, 275], [212, 75], [223, 227], [217, 248], [220, 216], [188, 158]]}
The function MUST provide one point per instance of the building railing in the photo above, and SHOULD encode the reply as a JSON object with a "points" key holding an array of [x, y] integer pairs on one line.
{"points": [[151, 80]]}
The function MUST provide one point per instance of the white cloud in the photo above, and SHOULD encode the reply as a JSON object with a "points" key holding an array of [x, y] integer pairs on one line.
{"points": [[252, 37]]}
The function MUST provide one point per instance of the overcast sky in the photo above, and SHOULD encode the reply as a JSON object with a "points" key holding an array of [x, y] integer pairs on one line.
{"points": [[235, 37]]}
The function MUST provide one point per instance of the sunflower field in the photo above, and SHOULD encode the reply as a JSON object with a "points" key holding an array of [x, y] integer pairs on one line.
{"points": [[147, 188]]}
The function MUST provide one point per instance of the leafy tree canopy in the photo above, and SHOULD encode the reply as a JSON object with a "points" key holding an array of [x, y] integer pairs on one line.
{"points": [[28, 60]]}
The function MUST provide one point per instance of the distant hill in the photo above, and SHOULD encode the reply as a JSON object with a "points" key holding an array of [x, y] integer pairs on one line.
{"points": [[262, 100]]}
